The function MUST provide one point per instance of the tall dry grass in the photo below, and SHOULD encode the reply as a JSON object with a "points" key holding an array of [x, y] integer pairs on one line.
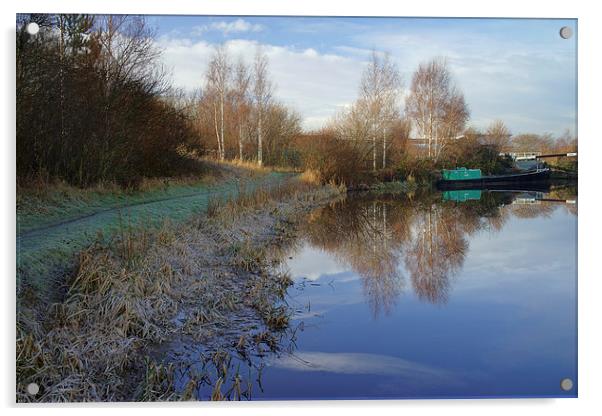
{"points": [[305, 188], [125, 298], [251, 165]]}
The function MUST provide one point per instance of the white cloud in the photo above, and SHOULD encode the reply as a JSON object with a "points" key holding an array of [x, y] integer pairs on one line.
{"points": [[525, 84], [315, 84], [236, 26]]}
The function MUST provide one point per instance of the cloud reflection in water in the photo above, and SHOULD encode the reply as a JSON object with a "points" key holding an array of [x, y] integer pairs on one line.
{"points": [[357, 363]]}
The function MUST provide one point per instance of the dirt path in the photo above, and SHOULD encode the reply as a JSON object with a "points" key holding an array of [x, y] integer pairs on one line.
{"points": [[45, 253]]}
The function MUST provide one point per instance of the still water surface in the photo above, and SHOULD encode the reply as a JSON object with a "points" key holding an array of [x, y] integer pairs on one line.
{"points": [[462, 294]]}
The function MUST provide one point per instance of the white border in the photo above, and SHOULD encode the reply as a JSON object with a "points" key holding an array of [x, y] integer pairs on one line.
{"points": [[589, 223]]}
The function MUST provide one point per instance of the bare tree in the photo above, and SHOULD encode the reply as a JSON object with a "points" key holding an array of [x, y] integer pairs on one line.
{"points": [[61, 27], [262, 95], [532, 142], [497, 135], [127, 54], [280, 126], [436, 106], [380, 89], [129, 49], [242, 82], [218, 78], [455, 115]]}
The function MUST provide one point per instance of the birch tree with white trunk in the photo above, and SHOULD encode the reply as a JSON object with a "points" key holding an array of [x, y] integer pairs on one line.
{"points": [[219, 75], [241, 90], [436, 107], [262, 96], [380, 90]]}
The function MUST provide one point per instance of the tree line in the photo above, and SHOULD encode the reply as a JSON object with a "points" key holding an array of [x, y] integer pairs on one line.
{"points": [[95, 104], [238, 116], [372, 136]]}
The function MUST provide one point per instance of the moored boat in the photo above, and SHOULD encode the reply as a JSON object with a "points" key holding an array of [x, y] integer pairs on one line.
{"points": [[462, 178]]}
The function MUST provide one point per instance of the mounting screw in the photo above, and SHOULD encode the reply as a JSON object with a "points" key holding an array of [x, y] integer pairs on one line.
{"points": [[566, 384], [33, 28], [33, 389], [566, 32]]}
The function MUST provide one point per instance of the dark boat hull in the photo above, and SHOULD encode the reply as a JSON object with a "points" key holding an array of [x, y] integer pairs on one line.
{"points": [[525, 180]]}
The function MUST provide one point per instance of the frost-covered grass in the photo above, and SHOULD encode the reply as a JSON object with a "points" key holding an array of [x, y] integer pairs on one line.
{"points": [[54, 224], [206, 281], [42, 204]]}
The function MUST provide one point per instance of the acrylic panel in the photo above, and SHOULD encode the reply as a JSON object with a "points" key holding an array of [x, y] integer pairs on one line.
{"points": [[295, 208]]}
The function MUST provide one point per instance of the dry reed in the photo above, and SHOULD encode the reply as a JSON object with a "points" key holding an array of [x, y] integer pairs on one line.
{"points": [[212, 272]]}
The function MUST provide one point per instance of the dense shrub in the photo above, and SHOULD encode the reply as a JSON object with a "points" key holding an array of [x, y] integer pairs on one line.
{"points": [[86, 114], [470, 153], [420, 170], [339, 161]]}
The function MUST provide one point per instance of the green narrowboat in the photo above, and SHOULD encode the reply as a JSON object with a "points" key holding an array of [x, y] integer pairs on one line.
{"points": [[461, 174], [462, 178]]}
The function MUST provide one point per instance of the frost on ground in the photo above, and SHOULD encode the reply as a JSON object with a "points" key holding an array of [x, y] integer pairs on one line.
{"points": [[161, 315]]}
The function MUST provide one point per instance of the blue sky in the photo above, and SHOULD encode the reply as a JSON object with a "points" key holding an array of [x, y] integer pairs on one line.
{"points": [[517, 70]]}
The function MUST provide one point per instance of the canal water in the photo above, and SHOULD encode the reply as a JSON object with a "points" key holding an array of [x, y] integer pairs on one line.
{"points": [[435, 295]]}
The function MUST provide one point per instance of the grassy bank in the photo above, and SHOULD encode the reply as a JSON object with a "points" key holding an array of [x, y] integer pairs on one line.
{"points": [[46, 204], [209, 280], [41, 204], [57, 222]]}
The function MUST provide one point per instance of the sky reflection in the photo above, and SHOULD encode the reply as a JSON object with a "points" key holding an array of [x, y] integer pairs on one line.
{"points": [[415, 297]]}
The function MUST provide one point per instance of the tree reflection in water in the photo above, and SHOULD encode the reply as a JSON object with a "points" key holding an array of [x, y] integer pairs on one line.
{"points": [[434, 252], [375, 234]]}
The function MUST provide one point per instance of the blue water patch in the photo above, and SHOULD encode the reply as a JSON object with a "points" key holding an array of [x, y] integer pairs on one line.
{"points": [[422, 298]]}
